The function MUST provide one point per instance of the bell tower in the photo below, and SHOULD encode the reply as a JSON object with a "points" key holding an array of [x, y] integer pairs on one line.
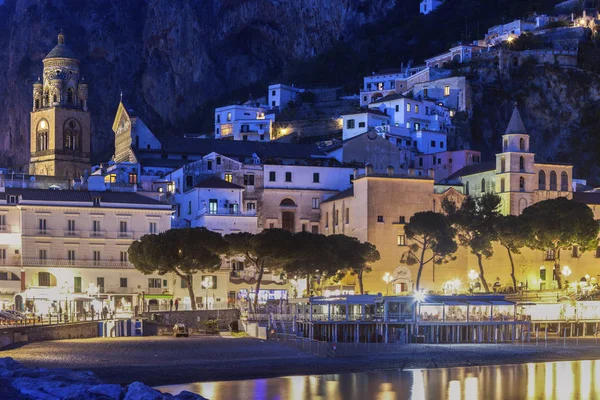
{"points": [[515, 175], [60, 120]]}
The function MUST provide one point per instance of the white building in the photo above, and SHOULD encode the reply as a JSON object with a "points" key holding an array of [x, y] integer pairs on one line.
{"points": [[358, 123], [281, 95], [427, 6], [415, 114], [64, 242], [217, 205], [243, 122]]}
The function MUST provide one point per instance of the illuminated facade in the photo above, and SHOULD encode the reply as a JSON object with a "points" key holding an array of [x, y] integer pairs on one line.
{"points": [[60, 120]]}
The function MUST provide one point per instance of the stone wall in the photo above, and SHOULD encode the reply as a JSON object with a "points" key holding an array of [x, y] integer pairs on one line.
{"points": [[194, 320], [49, 332]]}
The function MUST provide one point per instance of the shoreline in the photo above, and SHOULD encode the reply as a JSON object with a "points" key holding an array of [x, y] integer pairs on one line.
{"points": [[164, 361]]}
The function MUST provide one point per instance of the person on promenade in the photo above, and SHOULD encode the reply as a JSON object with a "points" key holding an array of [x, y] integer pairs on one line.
{"points": [[171, 305], [176, 304]]}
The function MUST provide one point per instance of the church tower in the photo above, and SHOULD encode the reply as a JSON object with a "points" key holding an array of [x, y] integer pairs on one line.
{"points": [[60, 120], [515, 174]]}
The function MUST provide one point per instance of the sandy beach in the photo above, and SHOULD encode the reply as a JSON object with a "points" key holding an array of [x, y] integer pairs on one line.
{"points": [[168, 360]]}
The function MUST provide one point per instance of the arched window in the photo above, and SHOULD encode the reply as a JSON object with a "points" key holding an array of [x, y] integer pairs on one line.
{"points": [[502, 185], [72, 135], [46, 98], [521, 184], [552, 180], [54, 98], [37, 103], [564, 182], [467, 188], [70, 99], [505, 146], [522, 144], [42, 135], [287, 203], [542, 180], [521, 164], [502, 164], [482, 185]]}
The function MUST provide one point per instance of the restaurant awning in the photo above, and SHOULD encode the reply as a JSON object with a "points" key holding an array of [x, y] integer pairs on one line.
{"points": [[479, 303], [502, 303]]}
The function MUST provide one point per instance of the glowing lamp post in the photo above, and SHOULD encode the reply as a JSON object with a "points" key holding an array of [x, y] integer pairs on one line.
{"points": [[207, 283], [387, 278], [566, 271], [473, 276]]}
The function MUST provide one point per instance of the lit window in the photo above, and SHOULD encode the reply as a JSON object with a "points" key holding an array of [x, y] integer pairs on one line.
{"points": [[417, 108], [401, 240], [228, 116], [315, 203], [408, 107], [229, 178], [446, 91], [452, 113]]}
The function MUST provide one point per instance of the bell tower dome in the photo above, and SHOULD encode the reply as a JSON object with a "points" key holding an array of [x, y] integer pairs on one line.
{"points": [[60, 120]]}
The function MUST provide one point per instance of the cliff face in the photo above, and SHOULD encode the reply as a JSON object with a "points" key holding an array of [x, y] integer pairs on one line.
{"points": [[168, 57], [559, 107]]}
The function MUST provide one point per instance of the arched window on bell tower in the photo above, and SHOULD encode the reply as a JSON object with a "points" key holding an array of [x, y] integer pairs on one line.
{"points": [[522, 144], [521, 163], [70, 97], [42, 135], [46, 98], [72, 135]]}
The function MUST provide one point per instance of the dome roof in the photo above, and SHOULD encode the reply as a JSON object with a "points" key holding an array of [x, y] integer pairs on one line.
{"points": [[61, 50]]}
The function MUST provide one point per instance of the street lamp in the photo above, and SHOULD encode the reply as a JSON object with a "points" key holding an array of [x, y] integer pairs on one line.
{"points": [[566, 271], [207, 283], [387, 278]]}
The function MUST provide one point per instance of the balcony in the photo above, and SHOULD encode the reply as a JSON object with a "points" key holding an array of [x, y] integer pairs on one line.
{"points": [[226, 211], [99, 234], [37, 262]]}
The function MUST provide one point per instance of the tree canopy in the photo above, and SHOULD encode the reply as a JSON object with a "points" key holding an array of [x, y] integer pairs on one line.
{"points": [[513, 232], [183, 252], [558, 224], [353, 256], [432, 239], [265, 251], [475, 222]]}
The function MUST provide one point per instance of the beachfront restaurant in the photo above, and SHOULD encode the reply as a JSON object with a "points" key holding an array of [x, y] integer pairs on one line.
{"points": [[570, 317], [393, 319]]}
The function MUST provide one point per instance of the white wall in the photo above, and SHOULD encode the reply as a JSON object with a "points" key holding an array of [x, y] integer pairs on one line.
{"points": [[332, 178]]}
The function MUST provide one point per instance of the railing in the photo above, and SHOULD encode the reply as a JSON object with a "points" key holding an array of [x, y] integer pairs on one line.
{"points": [[99, 234], [224, 211], [76, 263]]}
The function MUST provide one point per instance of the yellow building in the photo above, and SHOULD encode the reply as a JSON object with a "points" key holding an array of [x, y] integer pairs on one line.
{"points": [[376, 208], [60, 120]]}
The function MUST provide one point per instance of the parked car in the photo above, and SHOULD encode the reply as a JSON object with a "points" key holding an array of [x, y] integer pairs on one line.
{"points": [[180, 329]]}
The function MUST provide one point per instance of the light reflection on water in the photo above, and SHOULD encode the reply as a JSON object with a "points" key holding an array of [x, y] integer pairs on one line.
{"points": [[552, 381]]}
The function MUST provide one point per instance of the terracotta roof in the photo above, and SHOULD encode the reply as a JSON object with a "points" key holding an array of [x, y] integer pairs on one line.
{"points": [[389, 98], [239, 148], [587, 197], [473, 169], [515, 126], [217, 183], [81, 196], [341, 195]]}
